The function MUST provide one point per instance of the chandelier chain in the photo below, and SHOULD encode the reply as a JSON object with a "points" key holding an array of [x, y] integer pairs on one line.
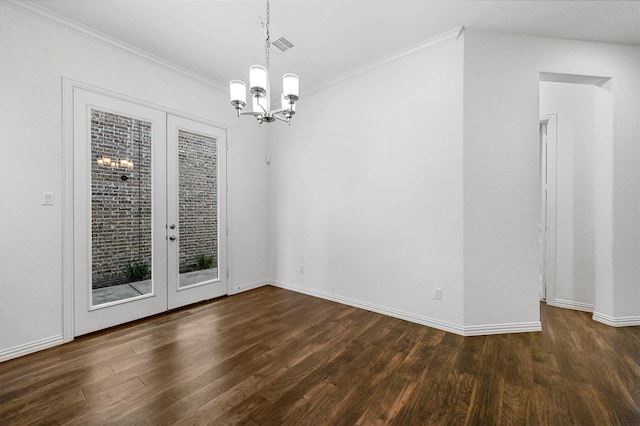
{"points": [[267, 43]]}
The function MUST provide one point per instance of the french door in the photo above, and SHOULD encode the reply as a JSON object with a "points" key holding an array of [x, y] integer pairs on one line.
{"points": [[196, 191], [149, 204]]}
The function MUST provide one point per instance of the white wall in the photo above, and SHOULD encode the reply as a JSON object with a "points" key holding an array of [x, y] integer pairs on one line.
{"points": [[373, 188], [605, 289], [35, 54], [501, 81], [574, 105], [366, 189]]}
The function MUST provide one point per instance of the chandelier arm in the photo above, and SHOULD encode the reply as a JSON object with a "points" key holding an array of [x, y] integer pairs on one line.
{"points": [[263, 109], [277, 117], [254, 114]]}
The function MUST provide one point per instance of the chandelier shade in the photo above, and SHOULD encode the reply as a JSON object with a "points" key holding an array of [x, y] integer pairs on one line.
{"points": [[290, 85], [238, 91], [257, 78]]}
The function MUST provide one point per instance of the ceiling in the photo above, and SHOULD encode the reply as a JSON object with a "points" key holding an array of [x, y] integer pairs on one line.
{"points": [[220, 39]]}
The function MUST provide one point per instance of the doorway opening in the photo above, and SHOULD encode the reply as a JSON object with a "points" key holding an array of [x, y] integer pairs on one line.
{"points": [[575, 188]]}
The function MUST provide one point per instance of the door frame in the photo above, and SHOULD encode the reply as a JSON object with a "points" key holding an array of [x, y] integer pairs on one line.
{"points": [[68, 284], [551, 121]]}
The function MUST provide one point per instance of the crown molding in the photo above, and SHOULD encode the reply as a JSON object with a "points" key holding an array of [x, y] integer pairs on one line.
{"points": [[453, 34], [107, 40], [95, 35]]}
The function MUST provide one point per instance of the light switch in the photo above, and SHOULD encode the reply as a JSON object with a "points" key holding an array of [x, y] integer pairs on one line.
{"points": [[47, 198]]}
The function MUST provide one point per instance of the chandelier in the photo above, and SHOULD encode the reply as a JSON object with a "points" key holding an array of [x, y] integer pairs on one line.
{"points": [[260, 88]]}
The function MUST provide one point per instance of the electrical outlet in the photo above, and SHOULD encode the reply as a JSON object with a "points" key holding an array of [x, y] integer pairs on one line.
{"points": [[437, 293], [302, 268]]}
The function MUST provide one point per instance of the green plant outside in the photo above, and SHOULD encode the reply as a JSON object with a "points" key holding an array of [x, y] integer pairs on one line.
{"points": [[206, 262], [137, 271]]}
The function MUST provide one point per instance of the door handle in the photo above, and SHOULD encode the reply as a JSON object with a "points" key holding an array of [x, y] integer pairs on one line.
{"points": [[172, 237]]}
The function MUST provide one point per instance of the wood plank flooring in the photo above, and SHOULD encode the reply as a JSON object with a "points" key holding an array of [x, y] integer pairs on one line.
{"points": [[271, 357]]}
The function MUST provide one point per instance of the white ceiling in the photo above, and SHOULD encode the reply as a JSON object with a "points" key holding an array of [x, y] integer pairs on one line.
{"points": [[220, 39]]}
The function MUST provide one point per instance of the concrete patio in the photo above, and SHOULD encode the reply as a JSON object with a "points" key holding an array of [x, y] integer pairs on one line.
{"points": [[129, 290]]}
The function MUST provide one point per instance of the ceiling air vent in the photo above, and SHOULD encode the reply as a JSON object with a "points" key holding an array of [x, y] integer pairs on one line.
{"points": [[281, 45]]}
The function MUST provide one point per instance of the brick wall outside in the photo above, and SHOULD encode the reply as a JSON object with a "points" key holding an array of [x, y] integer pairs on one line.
{"points": [[198, 202], [121, 209]]}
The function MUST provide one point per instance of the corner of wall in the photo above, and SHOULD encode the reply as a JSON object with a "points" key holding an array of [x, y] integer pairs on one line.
{"points": [[365, 206]]}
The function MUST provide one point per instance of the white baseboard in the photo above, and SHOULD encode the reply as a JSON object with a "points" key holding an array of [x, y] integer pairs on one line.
{"points": [[475, 330], [431, 322], [30, 347], [569, 304], [48, 342], [504, 328], [617, 321], [248, 286]]}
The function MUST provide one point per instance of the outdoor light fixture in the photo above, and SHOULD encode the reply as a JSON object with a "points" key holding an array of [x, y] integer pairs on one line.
{"points": [[114, 163], [260, 89], [124, 163]]}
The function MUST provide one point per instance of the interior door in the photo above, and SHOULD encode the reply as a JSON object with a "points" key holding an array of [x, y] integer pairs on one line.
{"points": [[120, 210], [543, 226], [196, 165]]}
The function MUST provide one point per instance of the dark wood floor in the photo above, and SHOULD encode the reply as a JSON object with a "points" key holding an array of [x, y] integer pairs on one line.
{"points": [[271, 356]]}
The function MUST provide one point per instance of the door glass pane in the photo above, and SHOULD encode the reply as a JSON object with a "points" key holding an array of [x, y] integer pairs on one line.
{"points": [[120, 207], [198, 208]]}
